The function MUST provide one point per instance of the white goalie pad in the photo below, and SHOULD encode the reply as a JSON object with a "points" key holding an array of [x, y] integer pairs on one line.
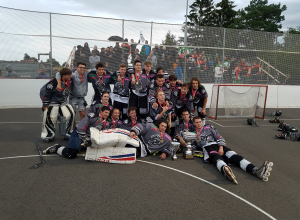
{"points": [[111, 155], [112, 138]]}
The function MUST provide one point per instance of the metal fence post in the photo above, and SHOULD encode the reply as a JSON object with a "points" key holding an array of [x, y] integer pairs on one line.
{"points": [[50, 54], [223, 56], [185, 40], [151, 34]]}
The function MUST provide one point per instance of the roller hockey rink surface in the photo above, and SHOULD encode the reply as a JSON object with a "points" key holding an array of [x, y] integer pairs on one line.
{"points": [[150, 188]]}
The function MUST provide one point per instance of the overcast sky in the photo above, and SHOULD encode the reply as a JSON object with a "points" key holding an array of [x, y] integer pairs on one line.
{"points": [[166, 11], [93, 30]]}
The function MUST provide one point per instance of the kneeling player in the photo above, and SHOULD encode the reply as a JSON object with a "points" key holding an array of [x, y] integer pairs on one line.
{"points": [[153, 138], [82, 134], [55, 105], [214, 149]]}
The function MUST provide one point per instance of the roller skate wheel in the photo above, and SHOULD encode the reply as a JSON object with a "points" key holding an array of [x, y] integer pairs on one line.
{"points": [[265, 179], [268, 174]]}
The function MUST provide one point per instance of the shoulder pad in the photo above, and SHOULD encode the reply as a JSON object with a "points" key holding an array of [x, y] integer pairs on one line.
{"points": [[91, 115]]}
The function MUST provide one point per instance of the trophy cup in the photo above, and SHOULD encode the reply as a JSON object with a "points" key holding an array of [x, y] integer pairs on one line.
{"points": [[175, 146], [189, 137]]}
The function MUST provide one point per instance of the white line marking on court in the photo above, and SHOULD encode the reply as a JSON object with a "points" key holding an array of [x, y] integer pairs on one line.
{"points": [[188, 174]]}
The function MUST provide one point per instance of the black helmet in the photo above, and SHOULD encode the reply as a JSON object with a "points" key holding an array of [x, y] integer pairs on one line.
{"points": [[278, 113]]}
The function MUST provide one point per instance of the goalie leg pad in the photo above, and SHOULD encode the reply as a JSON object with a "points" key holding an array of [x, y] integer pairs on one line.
{"points": [[111, 155], [112, 138], [68, 113], [49, 122]]}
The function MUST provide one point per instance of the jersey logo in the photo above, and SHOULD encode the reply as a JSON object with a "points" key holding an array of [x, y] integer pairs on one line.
{"points": [[50, 86], [154, 140]]}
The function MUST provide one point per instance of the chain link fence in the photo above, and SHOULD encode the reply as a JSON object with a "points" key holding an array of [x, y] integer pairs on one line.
{"points": [[38, 44]]}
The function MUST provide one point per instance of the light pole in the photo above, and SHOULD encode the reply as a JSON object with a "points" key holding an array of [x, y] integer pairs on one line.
{"points": [[185, 40]]}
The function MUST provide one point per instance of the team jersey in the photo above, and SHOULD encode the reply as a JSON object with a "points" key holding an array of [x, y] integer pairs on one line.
{"points": [[154, 87], [184, 100], [181, 127], [91, 120], [50, 95], [115, 123], [97, 105], [100, 83], [152, 138], [154, 112], [128, 123], [172, 89], [199, 94], [140, 88], [207, 136], [151, 75]]}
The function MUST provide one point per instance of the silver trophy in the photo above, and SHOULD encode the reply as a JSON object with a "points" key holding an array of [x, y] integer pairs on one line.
{"points": [[175, 146], [189, 137]]}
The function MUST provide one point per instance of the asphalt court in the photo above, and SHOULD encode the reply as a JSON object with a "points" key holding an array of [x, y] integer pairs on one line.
{"points": [[150, 188]]}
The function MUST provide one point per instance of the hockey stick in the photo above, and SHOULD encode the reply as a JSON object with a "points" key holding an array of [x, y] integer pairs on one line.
{"points": [[41, 158]]}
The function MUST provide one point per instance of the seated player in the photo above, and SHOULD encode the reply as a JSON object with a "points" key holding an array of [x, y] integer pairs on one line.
{"points": [[199, 97], [114, 120], [153, 138], [120, 94], [132, 119], [162, 111], [183, 99], [184, 125], [98, 104], [214, 148], [55, 104], [159, 84], [101, 80], [82, 134]]}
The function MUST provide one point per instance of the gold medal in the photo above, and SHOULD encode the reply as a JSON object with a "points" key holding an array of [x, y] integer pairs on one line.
{"points": [[137, 83], [187, 130], [197, 140], [162, 141]]}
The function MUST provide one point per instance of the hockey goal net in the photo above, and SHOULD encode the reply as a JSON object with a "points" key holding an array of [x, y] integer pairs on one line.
{"points": [[228, 101]]}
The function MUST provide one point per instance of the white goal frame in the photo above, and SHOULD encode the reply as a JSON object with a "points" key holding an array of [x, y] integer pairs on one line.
{"points": [[258, 104]]}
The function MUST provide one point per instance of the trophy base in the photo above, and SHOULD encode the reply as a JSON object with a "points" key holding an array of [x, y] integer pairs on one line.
{"points": [[188, 157]]}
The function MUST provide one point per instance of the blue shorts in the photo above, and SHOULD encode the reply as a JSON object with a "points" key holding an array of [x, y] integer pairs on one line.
{"points": [[73, 101], [74, 141]]}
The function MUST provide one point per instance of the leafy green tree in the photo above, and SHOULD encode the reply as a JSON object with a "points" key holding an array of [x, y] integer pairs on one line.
{"points": [[259, 16], [224, 13], [201, 13], [170, 39], [54, 62]]}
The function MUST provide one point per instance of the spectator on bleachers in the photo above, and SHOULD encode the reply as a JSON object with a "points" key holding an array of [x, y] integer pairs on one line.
{"points": [[102, 55], [10, 72], [143, 54], [55, 71], [1, 74], [218, 72], [178, 71], [79, 55], [42, 74], [148, 48], [137, 56], [153, 59], [133, 46], [96, 51], [94, 59], [87, 53], [287, 80], [243, 63]]}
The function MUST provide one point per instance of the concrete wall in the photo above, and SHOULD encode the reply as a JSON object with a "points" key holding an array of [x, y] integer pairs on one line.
{"points": [[24, 93]]}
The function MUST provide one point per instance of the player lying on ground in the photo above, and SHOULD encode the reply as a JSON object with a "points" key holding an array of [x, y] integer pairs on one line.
{"points": [[82, 134], [215, 151], [153, 138]]}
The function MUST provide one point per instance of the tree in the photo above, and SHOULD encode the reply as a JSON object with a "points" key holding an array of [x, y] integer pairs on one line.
{"points": [[224, 13], [259, 16], [201, 13], [170, 39], [54, 62], [27, 57]]}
